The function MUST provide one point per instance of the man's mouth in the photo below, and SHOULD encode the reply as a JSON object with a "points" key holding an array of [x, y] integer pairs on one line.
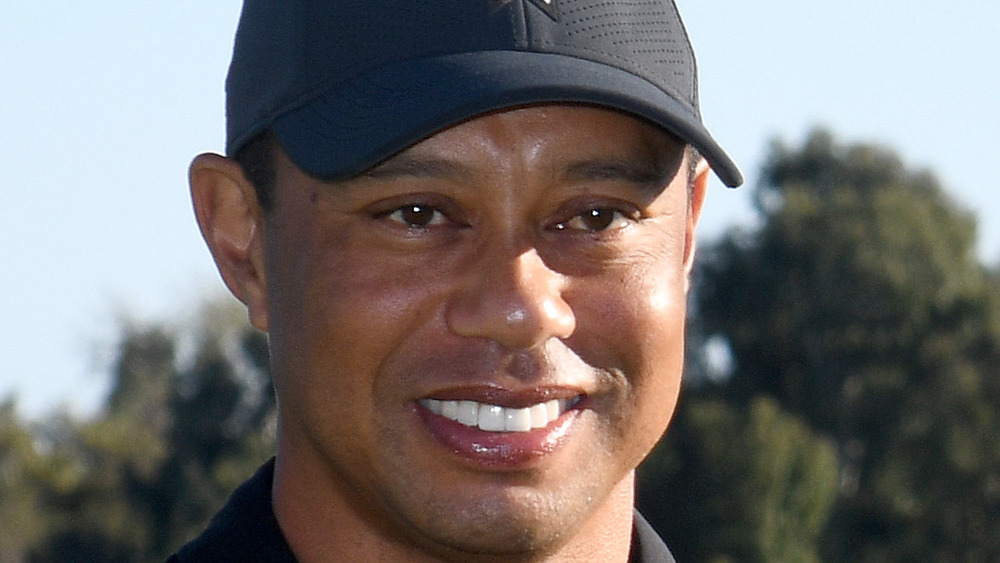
{"points": [[498, 418]]}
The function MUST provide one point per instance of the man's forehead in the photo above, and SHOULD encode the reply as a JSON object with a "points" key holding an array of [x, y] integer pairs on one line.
{"points": [[563, 138]]}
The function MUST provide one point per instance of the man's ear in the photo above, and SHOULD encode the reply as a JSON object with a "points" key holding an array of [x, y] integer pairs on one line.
{"points": [[696, 198], [231, 222]]}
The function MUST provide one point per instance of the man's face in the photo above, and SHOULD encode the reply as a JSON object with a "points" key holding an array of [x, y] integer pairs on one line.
{"points": [[528, 265]]}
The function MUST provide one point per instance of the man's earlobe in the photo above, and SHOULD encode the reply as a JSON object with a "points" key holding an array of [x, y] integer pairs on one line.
{"points": [[231, 222]]}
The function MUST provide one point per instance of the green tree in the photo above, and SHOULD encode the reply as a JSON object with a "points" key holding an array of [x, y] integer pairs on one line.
{"points": [[739, 484], [22, 469], [188, 417], [861, 308]]}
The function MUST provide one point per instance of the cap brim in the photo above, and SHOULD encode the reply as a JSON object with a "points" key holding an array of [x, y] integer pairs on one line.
{"points": [[357, 124]]}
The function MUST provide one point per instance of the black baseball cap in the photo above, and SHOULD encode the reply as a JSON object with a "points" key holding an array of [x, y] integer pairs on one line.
{"points": [[344, 84]]}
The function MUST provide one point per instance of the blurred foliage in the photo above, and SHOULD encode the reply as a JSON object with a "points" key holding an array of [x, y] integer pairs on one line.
{"points": [[739, 484], [859, 310], [842, 400], [188, 417]]}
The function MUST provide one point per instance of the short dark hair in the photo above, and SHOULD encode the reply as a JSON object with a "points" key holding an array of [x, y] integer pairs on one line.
{"points": [[256, 158]]}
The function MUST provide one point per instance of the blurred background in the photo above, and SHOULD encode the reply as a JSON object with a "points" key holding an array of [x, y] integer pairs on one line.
{"points": [[843, 395]]}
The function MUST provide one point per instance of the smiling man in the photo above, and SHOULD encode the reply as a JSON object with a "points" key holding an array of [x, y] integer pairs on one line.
{"points": [[467, 227]]}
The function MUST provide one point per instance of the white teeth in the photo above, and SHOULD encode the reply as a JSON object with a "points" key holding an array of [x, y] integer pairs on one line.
{"points": [[433, 405], [496, 418], [468, 413], [539, 415], [491, 418], [553, 408], [517, 420], [449, 409]]}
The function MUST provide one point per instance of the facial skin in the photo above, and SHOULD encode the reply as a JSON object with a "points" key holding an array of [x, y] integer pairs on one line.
{"points": [[469, 267]]}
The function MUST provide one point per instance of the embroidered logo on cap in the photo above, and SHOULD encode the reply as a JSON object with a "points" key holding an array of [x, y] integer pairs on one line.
{"points": [[550, 7]]}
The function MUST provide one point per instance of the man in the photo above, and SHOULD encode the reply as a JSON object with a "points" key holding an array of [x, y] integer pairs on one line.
{"points": [[467, 228]]}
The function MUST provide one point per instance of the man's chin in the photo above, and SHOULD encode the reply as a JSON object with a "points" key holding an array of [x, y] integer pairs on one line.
{"points": [[516, 522]]}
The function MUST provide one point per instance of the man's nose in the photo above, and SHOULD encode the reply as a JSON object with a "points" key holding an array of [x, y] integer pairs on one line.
{"points": [[514, 299]]}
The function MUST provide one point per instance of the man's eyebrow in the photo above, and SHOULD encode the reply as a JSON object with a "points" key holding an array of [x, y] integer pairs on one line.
{"points": [[409, 165], [653, 175]]}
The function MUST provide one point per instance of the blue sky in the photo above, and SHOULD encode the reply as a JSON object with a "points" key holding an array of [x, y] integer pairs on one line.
{"points": [[103, 104]]}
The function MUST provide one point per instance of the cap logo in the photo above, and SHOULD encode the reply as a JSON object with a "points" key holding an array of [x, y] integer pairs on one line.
{"points": [[549, 7]]}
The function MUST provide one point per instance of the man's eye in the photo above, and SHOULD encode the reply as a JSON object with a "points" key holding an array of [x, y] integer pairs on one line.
{"points": [[418, 216], [596, 220]]}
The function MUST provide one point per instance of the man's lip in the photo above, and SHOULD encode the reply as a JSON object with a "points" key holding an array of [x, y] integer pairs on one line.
{"points": [[498, 451], [501, 450]]}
